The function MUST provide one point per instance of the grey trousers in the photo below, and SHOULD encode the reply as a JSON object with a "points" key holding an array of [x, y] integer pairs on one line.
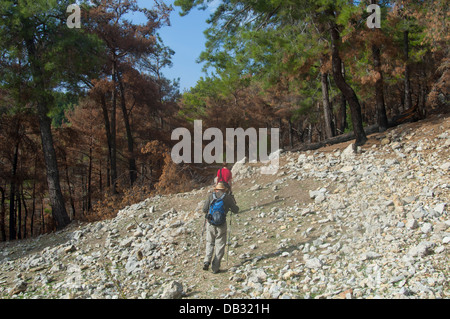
{"points": [[216, 240]]}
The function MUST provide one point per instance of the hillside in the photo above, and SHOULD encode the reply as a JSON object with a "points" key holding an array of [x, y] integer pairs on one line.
{"points": [[329, 224]]}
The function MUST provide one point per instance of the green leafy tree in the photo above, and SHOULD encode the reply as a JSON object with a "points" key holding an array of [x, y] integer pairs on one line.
{"points": [[42, 55], [238, 24]]}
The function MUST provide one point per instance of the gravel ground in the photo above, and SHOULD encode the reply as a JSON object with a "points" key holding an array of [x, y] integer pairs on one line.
{"points": [[330, 224]]}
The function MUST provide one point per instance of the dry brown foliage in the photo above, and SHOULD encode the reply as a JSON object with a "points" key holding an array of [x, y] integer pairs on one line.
{"points": [[174, 178]]}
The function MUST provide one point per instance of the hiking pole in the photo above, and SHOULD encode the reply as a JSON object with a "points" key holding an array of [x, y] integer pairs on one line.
{"points": [[201, 240], [229, 237]]}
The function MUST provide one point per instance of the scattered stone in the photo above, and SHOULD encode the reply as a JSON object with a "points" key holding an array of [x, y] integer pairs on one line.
{"points": [[70, 249], [411, 224], [256, 187], [349, 152], [347, 169], [426, 228], [370, 256], [439, 208], [421, 250], [376, 225], [172, 290], [20, 286], [314, 263]]}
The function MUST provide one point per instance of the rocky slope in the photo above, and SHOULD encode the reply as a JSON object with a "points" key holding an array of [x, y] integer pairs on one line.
{"points": [[330, 224]]}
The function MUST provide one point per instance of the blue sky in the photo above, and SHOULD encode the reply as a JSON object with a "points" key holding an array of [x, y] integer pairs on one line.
{"points": [[184, 36]]}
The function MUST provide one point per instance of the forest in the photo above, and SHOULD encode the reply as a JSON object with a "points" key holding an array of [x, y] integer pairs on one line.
{"points": [[86, 114]]}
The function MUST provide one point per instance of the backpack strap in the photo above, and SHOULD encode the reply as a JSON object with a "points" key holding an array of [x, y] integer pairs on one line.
{"points": [[215, 199], [220, 176]]}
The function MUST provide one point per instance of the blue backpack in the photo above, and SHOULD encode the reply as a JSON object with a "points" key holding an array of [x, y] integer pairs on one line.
{"points": [[217, 214]]}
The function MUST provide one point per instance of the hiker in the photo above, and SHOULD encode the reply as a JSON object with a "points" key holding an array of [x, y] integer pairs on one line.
{"points": [[216, 208], [224, 175]]}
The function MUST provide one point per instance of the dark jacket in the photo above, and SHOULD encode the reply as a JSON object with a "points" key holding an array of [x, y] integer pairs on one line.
{"points": [[228, 202]]}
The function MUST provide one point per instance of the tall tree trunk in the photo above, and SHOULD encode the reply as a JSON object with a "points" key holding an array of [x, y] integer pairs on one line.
{"points": [[89, 182], [408, 97], [291, 140], [44, 99], [42, 217], [349, 93], [59, 212], [83, 193], [327, 111], [379, 91], [300, 131], [108, 173], [2, 215], [19, 215], [422, 112], [280, 125], [309, 133], [379, 86], [33, 207], [69, 188], [110, 168], [12, 196], [342, 113], [131, 157], [113, 132], [25, 218], [100, 180]]}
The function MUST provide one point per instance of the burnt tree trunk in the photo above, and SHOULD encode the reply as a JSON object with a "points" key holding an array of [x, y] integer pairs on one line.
{"points": [[25, 218], [379, 91], [342, 113], [89, 181], [2, 215], [291, 138], [12, 196], [69, 188], [111, 165], [379, 86], [19, 215], [44, 99], [59, 212], [327, 110], [113, 133], [347, 91], [408, 97], [130, 143]]}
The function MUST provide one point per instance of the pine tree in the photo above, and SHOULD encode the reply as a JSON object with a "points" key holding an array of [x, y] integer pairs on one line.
{"points": [[51, 55], [237, 24], [127, 46]]}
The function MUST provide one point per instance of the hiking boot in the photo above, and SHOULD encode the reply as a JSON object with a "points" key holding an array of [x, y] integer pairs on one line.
{"points": [[205, 266]]}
